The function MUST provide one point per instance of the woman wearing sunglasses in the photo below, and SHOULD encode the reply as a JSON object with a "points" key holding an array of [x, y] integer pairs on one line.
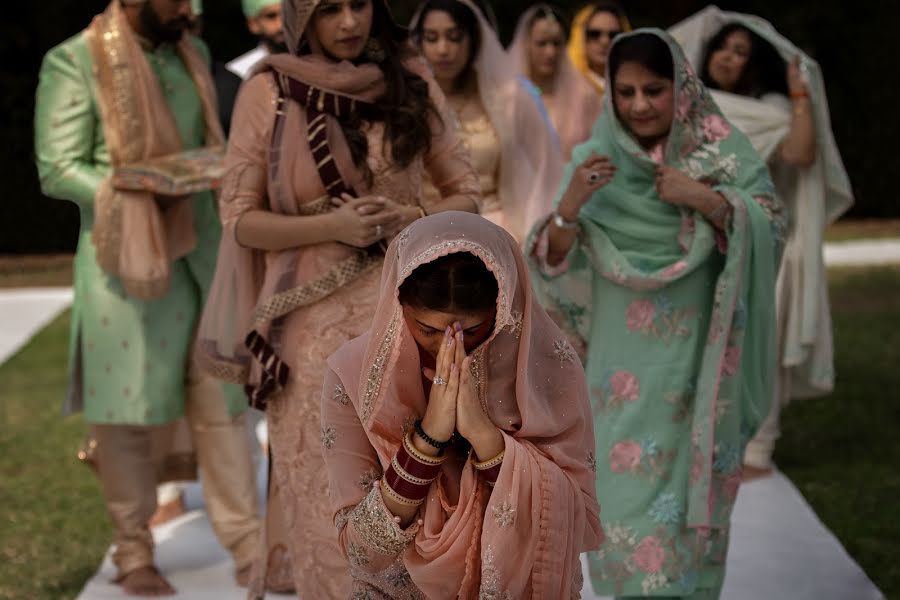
{"points": [[593, 31]]}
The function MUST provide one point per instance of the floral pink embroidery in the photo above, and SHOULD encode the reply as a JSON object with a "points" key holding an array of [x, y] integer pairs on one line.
{"points": [[715, 128], [675, 269], [640, 315], [732, 361], [657, 154], [625, 456], [649, 555], [625, 385]]}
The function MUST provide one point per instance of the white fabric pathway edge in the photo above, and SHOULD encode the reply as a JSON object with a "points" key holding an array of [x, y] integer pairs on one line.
{"points": [[24, 312], [779, 550]]}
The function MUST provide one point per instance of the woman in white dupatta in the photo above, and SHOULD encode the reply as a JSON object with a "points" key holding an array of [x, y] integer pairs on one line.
{"points": [[793, 134]]}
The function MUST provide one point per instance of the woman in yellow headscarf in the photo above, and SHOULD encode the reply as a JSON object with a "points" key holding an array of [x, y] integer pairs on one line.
{"points": [[593, 31]]}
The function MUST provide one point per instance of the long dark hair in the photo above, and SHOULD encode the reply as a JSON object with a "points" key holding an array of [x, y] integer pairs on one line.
{"points": [[464, 18], [403, 108], [765, 71], [456, 282], [645, 49]]}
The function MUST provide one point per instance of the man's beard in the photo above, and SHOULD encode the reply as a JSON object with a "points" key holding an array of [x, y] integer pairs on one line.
{"points": [[273, 44], [159, 31]]}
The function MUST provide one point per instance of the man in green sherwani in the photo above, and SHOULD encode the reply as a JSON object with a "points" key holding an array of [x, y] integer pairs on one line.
{"points": [[131, 86]]}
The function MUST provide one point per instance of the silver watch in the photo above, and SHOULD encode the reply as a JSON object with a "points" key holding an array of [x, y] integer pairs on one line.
{"points": [[562, 223]]}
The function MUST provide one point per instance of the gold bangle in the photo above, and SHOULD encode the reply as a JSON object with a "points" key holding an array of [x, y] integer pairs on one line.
{"points": [[490, 464], [419, 456], [408, 477], [397, 497], [422, 212]]}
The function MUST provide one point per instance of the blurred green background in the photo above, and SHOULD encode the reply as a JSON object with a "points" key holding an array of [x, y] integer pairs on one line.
{"points": [[853, 41]]}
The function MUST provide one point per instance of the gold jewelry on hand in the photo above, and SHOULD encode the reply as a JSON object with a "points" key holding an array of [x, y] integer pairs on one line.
{"points": [[490, 463]]}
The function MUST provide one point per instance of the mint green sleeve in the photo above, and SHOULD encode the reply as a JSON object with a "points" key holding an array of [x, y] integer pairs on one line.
{"points": [[65, 125]]}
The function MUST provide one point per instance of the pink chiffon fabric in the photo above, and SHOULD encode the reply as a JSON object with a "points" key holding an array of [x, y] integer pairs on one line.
{"points": [[531, 163], [572, 102], [521, 539]]}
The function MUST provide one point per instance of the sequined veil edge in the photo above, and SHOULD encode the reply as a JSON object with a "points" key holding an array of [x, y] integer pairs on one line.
{"points": [[389, 347]]}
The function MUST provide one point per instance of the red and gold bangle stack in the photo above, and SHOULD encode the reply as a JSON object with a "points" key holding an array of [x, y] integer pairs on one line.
{"points": [[411, 474], [490, 469]]}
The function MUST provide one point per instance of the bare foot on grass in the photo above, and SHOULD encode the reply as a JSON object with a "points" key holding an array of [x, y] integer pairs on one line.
{"points": [[146, 582]]}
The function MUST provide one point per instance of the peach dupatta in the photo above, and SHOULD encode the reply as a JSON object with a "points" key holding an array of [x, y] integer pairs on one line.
{"points": [[523, 538], [137, 239]]}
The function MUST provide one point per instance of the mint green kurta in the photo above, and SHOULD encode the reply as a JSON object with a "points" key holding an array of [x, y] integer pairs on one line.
{"points": [[129, 357], [678, 324]]}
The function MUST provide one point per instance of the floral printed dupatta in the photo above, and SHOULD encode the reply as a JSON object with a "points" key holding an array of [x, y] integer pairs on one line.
{"points": [[631, 238], [523, 538]]}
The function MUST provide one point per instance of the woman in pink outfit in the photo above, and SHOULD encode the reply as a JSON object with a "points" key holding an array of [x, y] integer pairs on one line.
{"points": [[457, 431]]}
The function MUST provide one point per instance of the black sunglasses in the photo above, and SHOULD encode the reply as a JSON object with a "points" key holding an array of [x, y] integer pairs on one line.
{"points": [[594, 35]]}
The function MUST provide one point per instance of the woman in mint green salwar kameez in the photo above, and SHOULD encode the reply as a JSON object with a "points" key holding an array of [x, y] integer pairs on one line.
{"points": [[660, 261]]}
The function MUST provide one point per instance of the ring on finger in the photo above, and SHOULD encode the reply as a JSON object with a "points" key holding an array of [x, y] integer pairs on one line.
{"points": [[379, 230], [438, 380], [594, 177]]}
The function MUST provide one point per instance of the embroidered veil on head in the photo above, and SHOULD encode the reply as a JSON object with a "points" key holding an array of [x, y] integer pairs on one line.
{"points": [[634, 239], [530, 161], [576, 103], [532, 386]]}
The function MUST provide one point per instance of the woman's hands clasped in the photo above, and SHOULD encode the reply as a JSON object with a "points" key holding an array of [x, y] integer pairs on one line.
{"points": [[453, 404], [360, 222]]}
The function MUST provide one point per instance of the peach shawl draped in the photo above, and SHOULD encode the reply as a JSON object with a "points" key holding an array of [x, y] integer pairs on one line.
{"points": [[523, 538]]}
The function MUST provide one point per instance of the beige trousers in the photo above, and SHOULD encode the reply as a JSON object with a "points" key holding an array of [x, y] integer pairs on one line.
{"points": [[129, 462]]}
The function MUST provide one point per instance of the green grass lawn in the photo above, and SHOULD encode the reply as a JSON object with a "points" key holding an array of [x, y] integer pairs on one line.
{"points": [[841, 451]]}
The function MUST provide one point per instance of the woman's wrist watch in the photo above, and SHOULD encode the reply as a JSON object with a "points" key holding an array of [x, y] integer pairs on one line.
{"points": [[563, 223]]}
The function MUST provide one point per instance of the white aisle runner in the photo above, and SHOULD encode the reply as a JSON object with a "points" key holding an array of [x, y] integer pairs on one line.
{"points": [[24, 312], [779, 551]]}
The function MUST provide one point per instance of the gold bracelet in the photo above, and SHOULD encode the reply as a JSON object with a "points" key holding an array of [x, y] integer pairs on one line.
{"points": [[419, 456], [422, 212], [397, 497], [408, 477], [490, 464]]}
